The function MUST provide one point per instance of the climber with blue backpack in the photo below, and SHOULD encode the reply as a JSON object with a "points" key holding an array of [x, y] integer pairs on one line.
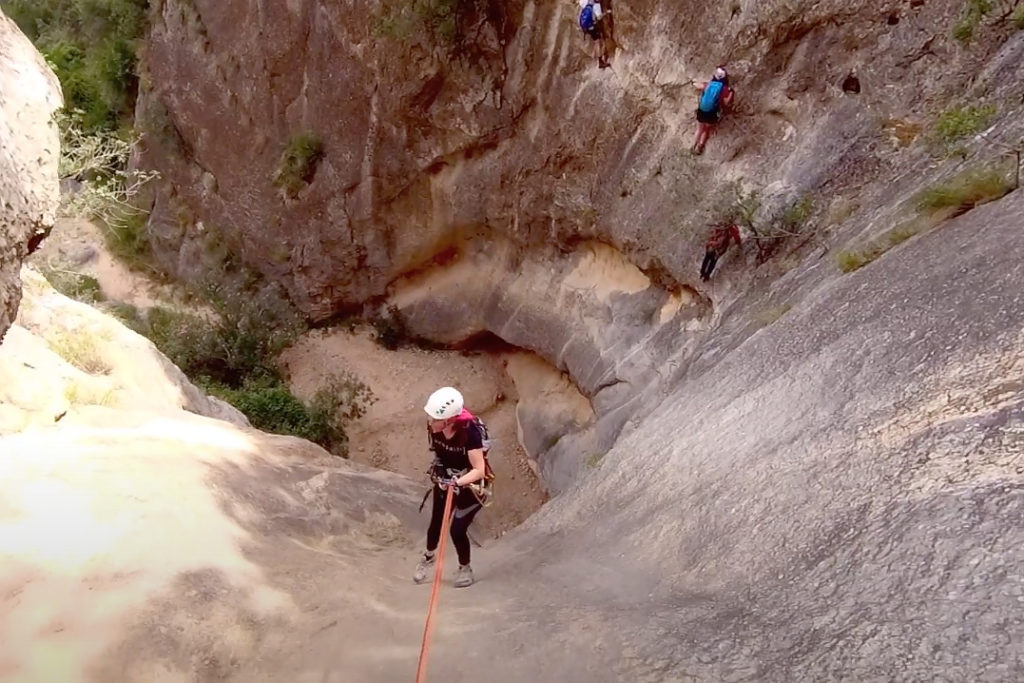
{"points": [[714, 97], [592, 25], [460, 443]]}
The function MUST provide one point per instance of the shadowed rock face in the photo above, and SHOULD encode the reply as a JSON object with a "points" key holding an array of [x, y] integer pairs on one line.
{"points": [[29, 150]]}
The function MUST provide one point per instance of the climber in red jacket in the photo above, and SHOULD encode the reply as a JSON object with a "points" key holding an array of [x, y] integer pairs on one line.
{"points": [[718, 242]]}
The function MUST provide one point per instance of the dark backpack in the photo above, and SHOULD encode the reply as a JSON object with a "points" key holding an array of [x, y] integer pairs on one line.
{"points": [[711, 96], [483, 490], [587, 20]]}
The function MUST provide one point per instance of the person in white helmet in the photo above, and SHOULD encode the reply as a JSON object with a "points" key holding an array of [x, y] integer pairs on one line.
{"points": [[715, 95], [457, 443]]}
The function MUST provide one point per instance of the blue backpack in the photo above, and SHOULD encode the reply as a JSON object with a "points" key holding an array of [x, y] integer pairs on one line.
{"points": [[587, 18], [711, 96]]}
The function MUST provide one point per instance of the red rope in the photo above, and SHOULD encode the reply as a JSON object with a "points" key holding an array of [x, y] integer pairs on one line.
{"points": [[421, 669]]}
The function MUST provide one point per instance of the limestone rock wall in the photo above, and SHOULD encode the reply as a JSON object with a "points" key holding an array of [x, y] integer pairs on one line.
{"points": [[29, 153], [464, 175]]}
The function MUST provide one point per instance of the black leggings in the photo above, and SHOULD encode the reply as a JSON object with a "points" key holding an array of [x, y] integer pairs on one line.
{"points": [[710, 258], [465, 507]]}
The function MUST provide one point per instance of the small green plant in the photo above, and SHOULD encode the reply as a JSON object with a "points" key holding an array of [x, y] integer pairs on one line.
{"points": [[935, 205], [390, 329], [965, 191], [957, 123], [795, 219], [741, 206], [975, 12], [127, 238], [963, 29], [796, 214], [76, 394], [78, 286], [98, 162], [343, 399], [271, 406], [81, 350], [298, 163], [772, 315], [849, 261], [125, 312], [437, 18]]}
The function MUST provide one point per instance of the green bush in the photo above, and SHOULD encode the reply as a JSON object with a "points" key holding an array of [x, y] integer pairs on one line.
{"points": [[390, 329], [270, 406], [232, 354], [298, 163], [934, 205], [439, 20], [976, 11], [126, 313], [128, 239], [238, 344], [92, 45], [77, 286], [958, 123], [797, 214], [963, 29], [98, 161], [965, 191], [849, 261]]}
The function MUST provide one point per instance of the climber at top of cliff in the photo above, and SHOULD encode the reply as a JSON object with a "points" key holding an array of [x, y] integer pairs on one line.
{"points": [[715, 96], [592, 23], [718, 243]]}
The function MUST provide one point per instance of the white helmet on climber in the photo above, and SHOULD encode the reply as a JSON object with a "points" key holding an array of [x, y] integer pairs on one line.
{"points": [[443, 404]]}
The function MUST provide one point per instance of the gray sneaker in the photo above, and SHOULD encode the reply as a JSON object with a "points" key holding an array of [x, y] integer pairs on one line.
{"points": [[464, 577], [426, 562]]}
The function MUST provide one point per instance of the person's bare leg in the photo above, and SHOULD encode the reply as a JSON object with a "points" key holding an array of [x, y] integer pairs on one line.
{"points": [[702, 137]]}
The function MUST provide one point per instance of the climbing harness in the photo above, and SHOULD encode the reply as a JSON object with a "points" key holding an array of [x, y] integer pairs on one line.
{"points": [[421, 668], [482, 490]]}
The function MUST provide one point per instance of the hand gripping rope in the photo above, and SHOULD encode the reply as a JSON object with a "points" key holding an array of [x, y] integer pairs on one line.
{"points": [[421, 669]]}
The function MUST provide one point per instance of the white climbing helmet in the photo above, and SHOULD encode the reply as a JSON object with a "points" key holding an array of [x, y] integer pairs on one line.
{"points": [[444, 403], [720, 73]]}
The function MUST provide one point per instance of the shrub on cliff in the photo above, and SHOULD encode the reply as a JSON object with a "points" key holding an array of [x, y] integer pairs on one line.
{"points": [[270, 406], [231, 353], [298, 163], [975, 13], [100, 185]]}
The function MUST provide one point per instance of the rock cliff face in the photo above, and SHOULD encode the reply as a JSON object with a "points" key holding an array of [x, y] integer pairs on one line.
{"points": [[826, 482], [508, 128], [468, 162], [29, 151]]}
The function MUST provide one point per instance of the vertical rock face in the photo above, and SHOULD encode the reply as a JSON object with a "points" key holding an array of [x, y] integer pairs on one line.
{"points": [[29, 153], [432, 126], [468, 162]]}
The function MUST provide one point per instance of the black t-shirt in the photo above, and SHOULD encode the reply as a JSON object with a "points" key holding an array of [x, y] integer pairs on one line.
{"points": [[453, 457]]}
